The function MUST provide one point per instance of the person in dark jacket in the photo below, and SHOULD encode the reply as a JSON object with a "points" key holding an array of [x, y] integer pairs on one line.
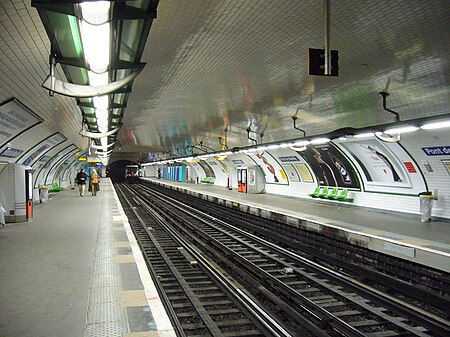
{"points": [[81, 181]]}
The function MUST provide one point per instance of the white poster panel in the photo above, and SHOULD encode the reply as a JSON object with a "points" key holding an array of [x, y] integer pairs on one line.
{"points": [[33, 155], [385, 167], [377, 162], [273, 171], [15, 118]]}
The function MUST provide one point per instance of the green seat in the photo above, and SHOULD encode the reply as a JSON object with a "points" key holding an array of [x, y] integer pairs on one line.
{"points": [[343, 196], [323, 193], [315, 193], [334, 192]]}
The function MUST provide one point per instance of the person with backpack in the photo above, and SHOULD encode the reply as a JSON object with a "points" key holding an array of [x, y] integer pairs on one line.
{"points": [[95, 181]]}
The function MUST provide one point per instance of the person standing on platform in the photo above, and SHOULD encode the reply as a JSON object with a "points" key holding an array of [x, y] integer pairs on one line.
{"points": [[81, 181], [94, 183]]}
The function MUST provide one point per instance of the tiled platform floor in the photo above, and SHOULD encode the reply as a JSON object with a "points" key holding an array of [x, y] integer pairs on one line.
{"points": [[76, 270]]}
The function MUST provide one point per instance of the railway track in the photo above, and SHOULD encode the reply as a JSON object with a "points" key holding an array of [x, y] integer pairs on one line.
{"points": [[297, 292], [199, 298], [420, 286]]}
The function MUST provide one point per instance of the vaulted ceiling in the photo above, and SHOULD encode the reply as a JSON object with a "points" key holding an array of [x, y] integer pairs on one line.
{"points": [[215, 68]]}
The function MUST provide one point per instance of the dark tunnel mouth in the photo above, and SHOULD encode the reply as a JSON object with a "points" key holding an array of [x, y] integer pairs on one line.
{"points": [[116, 170]]}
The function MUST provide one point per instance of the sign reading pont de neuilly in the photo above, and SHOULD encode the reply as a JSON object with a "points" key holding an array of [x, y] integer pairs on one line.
{"points": [[437, 151]]}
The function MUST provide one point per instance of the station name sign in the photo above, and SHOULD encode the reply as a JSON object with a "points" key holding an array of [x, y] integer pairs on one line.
{"points": [[437, 151], [288, 159]]}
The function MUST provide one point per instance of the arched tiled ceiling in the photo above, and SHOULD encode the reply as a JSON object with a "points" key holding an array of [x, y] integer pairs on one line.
{"points": [[218, 64]]}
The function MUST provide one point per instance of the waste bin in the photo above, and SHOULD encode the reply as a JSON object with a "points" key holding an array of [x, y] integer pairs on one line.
{"points": [[426, 204], [43, 194]]}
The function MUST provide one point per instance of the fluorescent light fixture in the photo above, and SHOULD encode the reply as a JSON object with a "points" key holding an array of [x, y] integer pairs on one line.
{"points": [[96, 36], [102, 123], [101, 102], [343, 137], [95, 12], [103, 129], [101, 114], [104, 141], [98, 79], [250, 151], [436, 125], [320, 141], [402, 129], [302, 143], [203, 157], [285, 145], [364, 135], [262, 148], [273, 147]]}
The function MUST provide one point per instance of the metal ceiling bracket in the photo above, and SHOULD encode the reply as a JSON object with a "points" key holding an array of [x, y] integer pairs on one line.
{"points": [[294, 118], [83, 91], [387, 138], [89, 134], [52, 62], [224, 141], [199, 148], [248, 135], [97, 147], [384, 95]]}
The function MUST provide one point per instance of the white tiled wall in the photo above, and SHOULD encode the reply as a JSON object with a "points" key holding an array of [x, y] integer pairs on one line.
{"points": [[439, 179]]}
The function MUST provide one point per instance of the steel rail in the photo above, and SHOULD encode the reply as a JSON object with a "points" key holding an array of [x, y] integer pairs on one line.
{"points": [[437, 326], [265, 320]]}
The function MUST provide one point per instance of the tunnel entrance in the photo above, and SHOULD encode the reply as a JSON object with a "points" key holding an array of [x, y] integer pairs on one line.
{"points": [[116, 170]]}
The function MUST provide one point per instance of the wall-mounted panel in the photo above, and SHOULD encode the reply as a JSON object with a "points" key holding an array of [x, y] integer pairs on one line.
{"points": [[42, 166], [385, 167], [40, 149], [274, 172], [15, 119], [58, 160], [330, 166]]}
